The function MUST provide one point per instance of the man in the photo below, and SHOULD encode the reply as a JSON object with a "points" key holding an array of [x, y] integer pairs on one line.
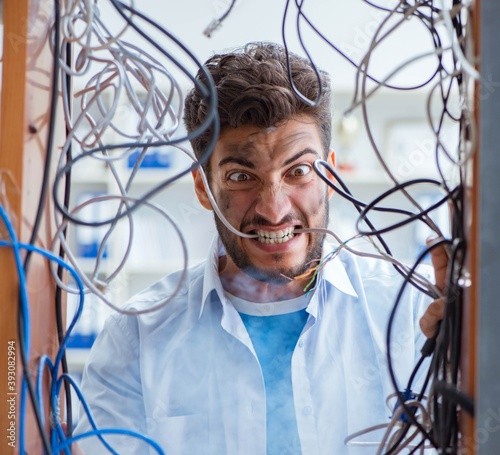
{"points": [[245, 360]]}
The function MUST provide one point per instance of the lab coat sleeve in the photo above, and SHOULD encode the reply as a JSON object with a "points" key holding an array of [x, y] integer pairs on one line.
{"points": [[111, 385]]}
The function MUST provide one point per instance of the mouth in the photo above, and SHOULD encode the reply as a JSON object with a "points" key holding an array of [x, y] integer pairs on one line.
{"points": [[275, 237]]}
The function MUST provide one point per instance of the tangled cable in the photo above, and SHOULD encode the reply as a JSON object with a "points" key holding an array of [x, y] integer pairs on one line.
{"points": [[435, 422], [146, 78], [115, 74]]}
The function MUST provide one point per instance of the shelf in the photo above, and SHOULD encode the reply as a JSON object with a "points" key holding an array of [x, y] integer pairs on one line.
{"points": [[154, 267], [97, 174], [151, 177], [100, 173], [76, 358]]}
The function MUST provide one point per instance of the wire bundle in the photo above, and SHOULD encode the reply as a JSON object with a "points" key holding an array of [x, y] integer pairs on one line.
{"points": [[127, 74], [431, 422], [116, 73], [120, 74]]}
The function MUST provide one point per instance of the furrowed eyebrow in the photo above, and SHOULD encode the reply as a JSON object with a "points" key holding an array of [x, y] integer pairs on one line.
{"points": [[299, 154], [237, 160], [249, 164]]}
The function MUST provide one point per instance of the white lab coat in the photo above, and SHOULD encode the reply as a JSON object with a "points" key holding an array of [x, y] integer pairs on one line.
{"points": [[188, 377]]}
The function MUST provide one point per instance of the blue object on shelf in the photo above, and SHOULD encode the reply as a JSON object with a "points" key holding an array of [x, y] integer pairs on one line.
{"points": [[154, 158], [89, 238], [90, 250], [81, 341]]}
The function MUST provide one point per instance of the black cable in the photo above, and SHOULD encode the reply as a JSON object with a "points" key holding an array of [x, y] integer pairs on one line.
{"points": [[351, 61], [447, 356], [415, 371], [224, 16], [417, 447], [60, 323], [303, 98], [346, 193], [413, 217], [456, 396], [35, 230], [408, 412]]}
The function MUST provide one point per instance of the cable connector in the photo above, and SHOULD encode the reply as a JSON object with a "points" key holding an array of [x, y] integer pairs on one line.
{"points": [[214, 25], [430, 344], [406, 394]]}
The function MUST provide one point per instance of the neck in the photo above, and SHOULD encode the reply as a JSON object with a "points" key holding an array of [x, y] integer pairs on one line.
{"points": [[245, 287]]}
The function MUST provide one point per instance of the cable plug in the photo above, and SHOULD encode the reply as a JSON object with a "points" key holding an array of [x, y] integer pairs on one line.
{"points": [[430, 344], [406, 394], [214, 25]]}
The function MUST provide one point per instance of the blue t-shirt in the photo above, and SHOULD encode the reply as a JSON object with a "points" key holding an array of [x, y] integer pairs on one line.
{"points": [[274, 329]]}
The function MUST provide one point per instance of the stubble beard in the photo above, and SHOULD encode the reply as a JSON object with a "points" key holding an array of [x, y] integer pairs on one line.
{"points": [[277, 273]]}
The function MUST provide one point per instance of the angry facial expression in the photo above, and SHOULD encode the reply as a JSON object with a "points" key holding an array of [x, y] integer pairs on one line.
{"points": [[264, 183]]}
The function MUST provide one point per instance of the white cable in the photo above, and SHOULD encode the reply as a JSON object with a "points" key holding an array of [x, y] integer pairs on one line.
{"points": [[217, 209], [423, 418], [95, 287], [466, 65], [420, 279]]}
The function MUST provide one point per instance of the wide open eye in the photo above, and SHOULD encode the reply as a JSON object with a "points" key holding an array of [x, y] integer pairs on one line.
{"points": [[300, 170], [239, 177]]}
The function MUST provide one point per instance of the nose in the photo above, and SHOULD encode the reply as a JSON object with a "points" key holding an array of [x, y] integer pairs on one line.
{"points": [[273, 203]]}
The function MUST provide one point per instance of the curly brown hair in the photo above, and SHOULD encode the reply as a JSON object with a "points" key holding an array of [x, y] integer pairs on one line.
{"points": [[253, 88]]}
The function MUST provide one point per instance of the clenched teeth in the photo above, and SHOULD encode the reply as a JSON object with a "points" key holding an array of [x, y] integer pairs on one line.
{"points": [[273, 237]]}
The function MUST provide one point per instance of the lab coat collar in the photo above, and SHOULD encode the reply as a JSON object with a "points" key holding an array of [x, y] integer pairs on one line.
{"points": [[333, 272], [211, 279]]}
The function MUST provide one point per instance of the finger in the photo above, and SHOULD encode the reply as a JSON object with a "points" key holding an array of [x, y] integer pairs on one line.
{"points": [[430, 319], [439, 259]]}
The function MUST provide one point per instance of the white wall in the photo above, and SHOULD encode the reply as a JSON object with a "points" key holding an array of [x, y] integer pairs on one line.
{"points": [[348, 24]]}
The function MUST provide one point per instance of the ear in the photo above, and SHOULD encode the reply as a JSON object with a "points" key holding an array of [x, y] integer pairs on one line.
{"points": [[331, 161], [200, 190]]}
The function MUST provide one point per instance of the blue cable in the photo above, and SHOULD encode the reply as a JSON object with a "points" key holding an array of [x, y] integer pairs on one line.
{"points": [[24, 299], [69, 441], [96, 431], [25, 311], [59, 441], [44, 362], [85, 405]]}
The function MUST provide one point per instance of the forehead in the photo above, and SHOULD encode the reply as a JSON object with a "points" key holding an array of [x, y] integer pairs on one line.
{"points": [[259, 145]]}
